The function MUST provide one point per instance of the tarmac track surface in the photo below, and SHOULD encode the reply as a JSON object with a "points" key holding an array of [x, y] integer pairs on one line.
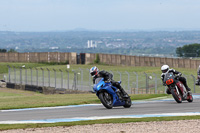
{"points": [[154, 108]]}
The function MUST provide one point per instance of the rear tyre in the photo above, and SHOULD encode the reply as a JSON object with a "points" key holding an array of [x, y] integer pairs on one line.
{"points": [[177, 97], [106, 99], [190, 98], [128, 103]]}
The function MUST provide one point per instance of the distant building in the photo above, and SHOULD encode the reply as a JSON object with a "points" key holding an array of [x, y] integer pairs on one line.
{"points": [[54, 48], [91, 44]]}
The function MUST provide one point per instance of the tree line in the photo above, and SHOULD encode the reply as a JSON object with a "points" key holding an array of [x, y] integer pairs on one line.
{"points": [[5, 50], [190, 50]]}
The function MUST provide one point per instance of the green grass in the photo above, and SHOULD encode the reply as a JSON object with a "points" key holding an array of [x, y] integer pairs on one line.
{"points": [[4, 65], [104, 121], [15, 99], [124, 68], [4, 68]]}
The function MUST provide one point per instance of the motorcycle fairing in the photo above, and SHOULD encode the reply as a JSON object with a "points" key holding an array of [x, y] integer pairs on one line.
{"points": [[102, 86]]}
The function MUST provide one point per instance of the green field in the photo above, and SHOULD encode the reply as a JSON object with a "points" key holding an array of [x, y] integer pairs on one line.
{"points": [[4, 68]]}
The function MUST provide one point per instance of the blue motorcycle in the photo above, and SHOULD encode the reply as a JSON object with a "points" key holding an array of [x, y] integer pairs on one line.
{"points": [[109, 95]]}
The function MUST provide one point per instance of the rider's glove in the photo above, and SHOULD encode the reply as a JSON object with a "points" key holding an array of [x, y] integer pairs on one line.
{"points": [[179, 74], [108, 80]]}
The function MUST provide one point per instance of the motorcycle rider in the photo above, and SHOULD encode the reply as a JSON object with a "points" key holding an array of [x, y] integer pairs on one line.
{"points": [[165, 69], [198, 76], [95, 73]]}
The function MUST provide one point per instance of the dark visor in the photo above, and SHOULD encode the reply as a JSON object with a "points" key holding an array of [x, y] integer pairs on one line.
{"points": [[93, 73], [164, 71]]}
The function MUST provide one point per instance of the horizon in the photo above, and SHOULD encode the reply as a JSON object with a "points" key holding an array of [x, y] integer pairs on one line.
{"points": [[131, 30]]}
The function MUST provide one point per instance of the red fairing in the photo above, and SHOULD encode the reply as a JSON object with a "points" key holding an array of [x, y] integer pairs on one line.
{"points": [[180, 86]]}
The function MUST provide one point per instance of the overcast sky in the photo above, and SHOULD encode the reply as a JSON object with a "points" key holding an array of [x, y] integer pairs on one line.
{"points": [[62, 15]]}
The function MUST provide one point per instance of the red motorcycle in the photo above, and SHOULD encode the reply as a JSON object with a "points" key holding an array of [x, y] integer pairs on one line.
{"points": [[177, 88]]}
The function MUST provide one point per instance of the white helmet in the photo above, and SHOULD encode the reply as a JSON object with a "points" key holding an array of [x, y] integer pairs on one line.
{"points": [[165, 68], [94, 71]]}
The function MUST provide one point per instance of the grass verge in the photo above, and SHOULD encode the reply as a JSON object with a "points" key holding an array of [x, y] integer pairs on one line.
{"points": [[16, 99], [104, 121]]}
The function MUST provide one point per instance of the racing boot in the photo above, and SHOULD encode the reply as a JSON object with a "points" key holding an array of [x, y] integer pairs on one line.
{"points": [[187, 88], [125, 95]]}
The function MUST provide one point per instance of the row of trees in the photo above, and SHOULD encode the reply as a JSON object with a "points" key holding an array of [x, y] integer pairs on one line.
{"points": [[191, 50], [4, 50]]}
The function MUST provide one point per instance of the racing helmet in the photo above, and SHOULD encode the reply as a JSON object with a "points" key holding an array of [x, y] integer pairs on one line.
{"points": [[94, 71], [165, 68]]}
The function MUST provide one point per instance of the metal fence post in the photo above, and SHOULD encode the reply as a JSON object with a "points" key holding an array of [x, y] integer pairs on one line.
{"points": [[147, 86], [112, 73], [14, 74], [136, 81], [8, 73], [36, 76], [89, 78], [48, 77], [81, 77], [156, 84], [74, 83], [25, 76], [55, 76], [194, 82], [120, 75], [67, 78], [20, 75], [42, 76], [31, 76], [61, 72], [128, 79]]}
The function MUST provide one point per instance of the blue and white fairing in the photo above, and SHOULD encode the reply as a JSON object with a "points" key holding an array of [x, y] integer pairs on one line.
{"points": [[100, 85]]}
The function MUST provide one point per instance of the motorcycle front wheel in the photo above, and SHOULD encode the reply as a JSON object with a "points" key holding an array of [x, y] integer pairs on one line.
{"points": [[177, 97], [106, 99]]}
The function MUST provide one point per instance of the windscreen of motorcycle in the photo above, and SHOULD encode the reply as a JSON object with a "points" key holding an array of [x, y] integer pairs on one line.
{"points": [[98, 80], [169, 78]]}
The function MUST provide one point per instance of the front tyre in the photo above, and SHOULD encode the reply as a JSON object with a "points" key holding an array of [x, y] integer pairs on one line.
{"points": [[176, 96], [106, 99], [128, 103]]}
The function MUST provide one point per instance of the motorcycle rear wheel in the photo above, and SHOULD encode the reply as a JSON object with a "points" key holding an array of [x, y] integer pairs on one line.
{"points": [[177, 97], [128, 103], [190, 98], [106, 99]]}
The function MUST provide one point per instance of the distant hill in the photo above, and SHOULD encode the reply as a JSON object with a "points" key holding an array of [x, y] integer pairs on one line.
{"points": [[117, 42]]}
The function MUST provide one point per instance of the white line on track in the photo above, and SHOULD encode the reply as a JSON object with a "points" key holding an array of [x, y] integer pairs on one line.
{"points": [[99, 118]]}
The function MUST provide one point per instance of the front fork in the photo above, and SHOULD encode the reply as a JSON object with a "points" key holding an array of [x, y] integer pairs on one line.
{"points": [[177, 90], [184, 91]]}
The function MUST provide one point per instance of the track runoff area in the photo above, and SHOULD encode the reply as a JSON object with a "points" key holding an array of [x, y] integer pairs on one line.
{"points": [[139, 109]]}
